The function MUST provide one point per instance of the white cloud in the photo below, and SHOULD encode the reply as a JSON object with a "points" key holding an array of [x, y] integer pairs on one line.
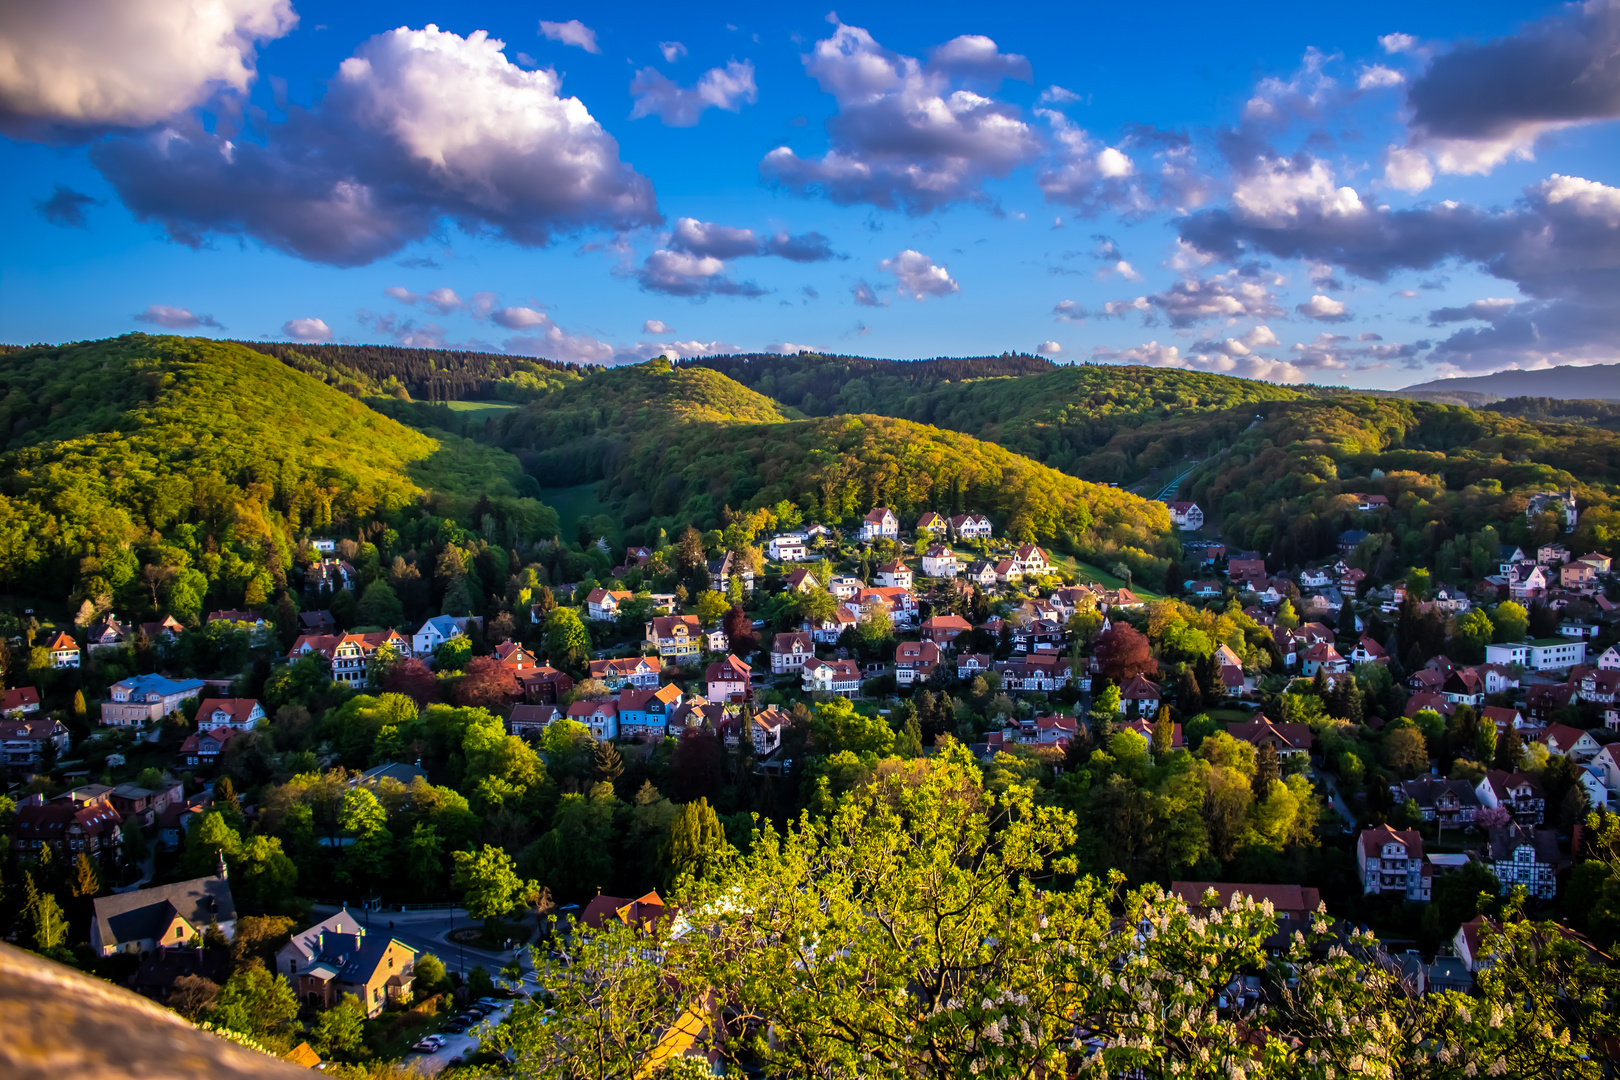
{"points": [[1219, 359], [520, 318], [727, 88], [309, 330], [917, 276], [682, 273], [1069, 311], [555, 343], [1122, 268], [1378, 77], [1049, 348], [676, 350], [1304, 95], [654, 326], [442, 300], [573, 32], [1119, 308], [1056, 95], [903, 136], [707, 238], [672, 50], [126, 63], [1324, 309], [418, 126], [1398, 43], [175, 318], [976, 56], [1278, 192]]}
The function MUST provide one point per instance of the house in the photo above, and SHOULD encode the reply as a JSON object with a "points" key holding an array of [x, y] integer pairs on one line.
{"points": [[830, 629], [26, 744], [645, 713], [1351, 539], [971, 665], [842, 677], [515, 658], [1324, 657], [166, 964], [1206, 589], [728, 680], [880, 523], [205, 747], [1186, 516], [1600, 686], [545, 685], [1315, 578], [527, 720], [624, 671], [1464, 687], [140, 698], [981, 572], [1553, 502], [1542, 702], [1034, 673], [1520, 792], [340, 956], [1543, 654], [1391, 861], [943, 630], [769, 723], [1242, 569], [1368, 503], [800, 581], [1139, 697], [1055, 730], [1525, 856], [728, 566], [1504, 717], [1032, 560], [435, 632], [144, 920], [1566, 741], [678, 638], [1294, 906], [241, 713], [934, 523], [109, 633], [790, 652], [897, 603], [1368, 651], [1577, 575], [601, 716], [647, 912], [323, 545], [81, 820], [19, 701], [602, 605], [1143, 726], [1526, 581], [64, 651], [166, 630], [348, 654], [940, 561], [328, 575], [894, 574], [316, 622], [915, 661], [971, 527], [843, 588], [1451, 802], [789, 548], [1286, 739], [1577, 629]]}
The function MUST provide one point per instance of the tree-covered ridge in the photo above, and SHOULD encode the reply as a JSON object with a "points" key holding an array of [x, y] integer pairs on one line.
{"points": [[1064, 417], [1285, 483], [425, 374], [140, 441], [585, 430]]}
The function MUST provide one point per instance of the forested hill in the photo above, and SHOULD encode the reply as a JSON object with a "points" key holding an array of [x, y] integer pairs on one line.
{"points": [[424, 374], [820, 385], [180, 453], [1600, 381]]}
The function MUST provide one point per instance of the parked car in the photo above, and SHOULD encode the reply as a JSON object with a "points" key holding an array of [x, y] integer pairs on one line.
{"points": [[489, 1002], [457, 1060], [456, 1026]]}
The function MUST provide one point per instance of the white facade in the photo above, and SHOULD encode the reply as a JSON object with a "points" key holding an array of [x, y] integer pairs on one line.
{"points": [[1545, 654]]}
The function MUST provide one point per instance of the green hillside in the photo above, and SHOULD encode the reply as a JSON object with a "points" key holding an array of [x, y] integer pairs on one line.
{"points": [[422, 374], [138, 449], [1065, 417]]}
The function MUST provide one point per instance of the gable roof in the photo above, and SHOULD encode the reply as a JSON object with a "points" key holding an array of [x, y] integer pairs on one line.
{"points": [[145, 913], [1373, 840], [238, 709], [1293, 736]]}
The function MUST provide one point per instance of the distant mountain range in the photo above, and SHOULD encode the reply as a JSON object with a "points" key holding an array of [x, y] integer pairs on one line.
{"points": [[1598, 382]]}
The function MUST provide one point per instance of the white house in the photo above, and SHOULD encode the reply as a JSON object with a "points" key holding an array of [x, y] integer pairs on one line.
{"points": [[842, 677], [843, 588], [324, 544], [789, 548], [602, 605], [894, 574], [1186, 516], [1610, 660], [1391, 861], [1543, 654], [240, 713], [435, 632], [971, 527], [939, 561], [880, 524], [790, 652]]}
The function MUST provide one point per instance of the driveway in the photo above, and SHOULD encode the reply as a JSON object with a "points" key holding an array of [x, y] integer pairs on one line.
{"points": [[462, 1046], [1337, 802]]}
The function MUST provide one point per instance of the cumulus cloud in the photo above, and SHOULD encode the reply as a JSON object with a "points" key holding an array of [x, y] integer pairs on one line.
{"points": [[417, 126], [672, 50], [442, 300], [975, 56], [1241, 364], [654, 326], [1324, 309], [1057, 95], [1408, 170], [728, 88], [1069, 311], [675, 350], [806, 247], [867, 296], [682, 273], [307, 330], [573, 32], [903, 136], [175, 318], [1333, 352], [1398, 43], [1118, 309], [708, 239], [1049, 348], [1094, 178], [1195, 299], [1491, 310], [65, 207], [1122, 269], [1534, 335], [1378, 77], [1480, 103], [917, 276], [519, 318], [1303, 95], [84, 65]]}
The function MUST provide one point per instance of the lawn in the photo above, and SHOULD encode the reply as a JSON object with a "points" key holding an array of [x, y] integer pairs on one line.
{"points": [[573, 503], [1102, 577], [492, 407], [1229, 716]]}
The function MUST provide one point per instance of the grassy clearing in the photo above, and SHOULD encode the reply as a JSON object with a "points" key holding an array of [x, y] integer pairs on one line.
{"points": [[573, 503], [492, 407], [1094, 573]]}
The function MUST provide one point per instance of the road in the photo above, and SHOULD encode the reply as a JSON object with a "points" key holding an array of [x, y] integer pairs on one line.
{"points": [[462, 1046], [425, 931], [1338, 802]]}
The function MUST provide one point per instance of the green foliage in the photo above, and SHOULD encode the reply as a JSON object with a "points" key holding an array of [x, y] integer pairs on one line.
{"points": [[257, 1003], [697, 843], [340, 1030], [488, 882]]}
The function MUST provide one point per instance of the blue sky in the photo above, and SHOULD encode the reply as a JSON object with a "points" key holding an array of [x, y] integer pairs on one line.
{"points": [[1370, 196]]}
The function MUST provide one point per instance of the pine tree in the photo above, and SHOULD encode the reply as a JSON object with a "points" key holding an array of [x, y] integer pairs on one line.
{"points": [[226, 802], [41, 910], [80, 710], [696, 841], [1267, 767], [1508, 749], [85, 881], [910, 745], [606, 762], [1163, 732]]}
